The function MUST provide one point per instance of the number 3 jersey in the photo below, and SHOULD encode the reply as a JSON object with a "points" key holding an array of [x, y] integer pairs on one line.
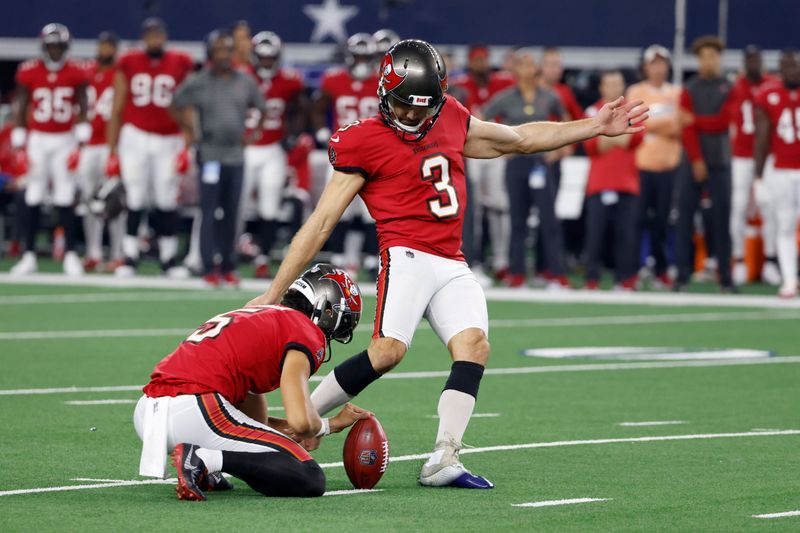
{"points": [[782, 105], [238, 352], [415, 191], [52, 94], [151, 84]]}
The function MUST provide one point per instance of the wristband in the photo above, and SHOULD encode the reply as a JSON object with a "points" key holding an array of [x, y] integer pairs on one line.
{"points": [[325, 429], [323, 136], [83, 132], [18, 137]]}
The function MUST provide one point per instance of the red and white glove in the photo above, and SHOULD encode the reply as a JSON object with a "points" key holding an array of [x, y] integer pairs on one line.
{"points": [[183, 160], [73, 160], [112, 165]]}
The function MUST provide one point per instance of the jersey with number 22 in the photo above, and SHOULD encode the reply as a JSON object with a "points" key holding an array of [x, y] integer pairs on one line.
{"points": [[415, 191]]}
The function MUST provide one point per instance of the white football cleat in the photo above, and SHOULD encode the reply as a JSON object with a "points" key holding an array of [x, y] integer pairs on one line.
{"points": [[771, 274], [26, 265], [72, 264], [787, 292], [125, 271], [739, 273], [178, 272], [444, 469]]}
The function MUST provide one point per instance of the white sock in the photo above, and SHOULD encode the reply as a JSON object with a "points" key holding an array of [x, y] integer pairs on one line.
{"points": [[455, 409], [211, 458], [130, 246], [329, 395], [168, 248]]}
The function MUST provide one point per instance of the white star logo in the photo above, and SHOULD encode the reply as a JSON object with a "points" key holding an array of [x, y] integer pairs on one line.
{"points": [[330, 19]]}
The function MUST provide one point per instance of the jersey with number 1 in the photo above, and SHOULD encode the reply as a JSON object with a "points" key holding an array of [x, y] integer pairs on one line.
{"points": [[52, 94], [351, 99], [151, 84], [415, 191], [741, 99], [782, 105]]}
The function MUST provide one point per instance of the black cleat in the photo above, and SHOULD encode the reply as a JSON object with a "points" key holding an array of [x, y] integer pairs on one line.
{"points": [[216, 482], [192, 472]]}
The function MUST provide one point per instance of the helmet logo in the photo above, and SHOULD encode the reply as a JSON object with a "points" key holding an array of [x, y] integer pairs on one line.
{"points": [[390, 78], [349, 288], [420, 100]]}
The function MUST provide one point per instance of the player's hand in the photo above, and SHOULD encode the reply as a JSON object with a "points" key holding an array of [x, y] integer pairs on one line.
{"points": [[699, 171], [311, 443], [182, 161], [19, 163], [73, 160], [760, 193], [112, 165], [620, 117], [349, 415], [261, 300]]}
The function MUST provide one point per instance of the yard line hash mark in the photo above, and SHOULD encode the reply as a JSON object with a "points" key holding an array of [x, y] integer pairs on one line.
{"points": [[652, 423], [551, 503], [777, 515]]}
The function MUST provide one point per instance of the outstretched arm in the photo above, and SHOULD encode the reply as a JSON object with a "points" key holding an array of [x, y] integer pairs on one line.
{"points": [[486, 140], [337, 195]]}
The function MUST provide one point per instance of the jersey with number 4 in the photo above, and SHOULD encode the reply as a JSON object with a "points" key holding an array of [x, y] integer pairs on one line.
{"points": [[151, 84], [52, 94], [782, 105], [99, 99], [415, 191], [351, 99], [742, 96], [238, 352]]}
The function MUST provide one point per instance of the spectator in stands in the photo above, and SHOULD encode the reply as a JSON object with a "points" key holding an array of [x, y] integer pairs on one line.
{"points": [[658, 157], [221, 97], [708, 147], [612, 193], [242, 46], [527, 182]]}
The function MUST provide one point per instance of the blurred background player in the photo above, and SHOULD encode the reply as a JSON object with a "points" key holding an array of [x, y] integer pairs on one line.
{"points": [[93, 158], [778, 134], [265, 161], [145, 142], [51, 118], [707, 145], [487, 176], [612, 195], [384, 39], [242, 46], [526, 179], [347, 95], [657, 158]]}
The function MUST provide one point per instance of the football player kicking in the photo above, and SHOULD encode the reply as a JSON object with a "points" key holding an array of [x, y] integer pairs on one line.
{"points": [[407, 165], [205, 400]]}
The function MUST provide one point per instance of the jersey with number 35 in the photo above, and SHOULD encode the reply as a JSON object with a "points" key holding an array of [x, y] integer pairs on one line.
{"points": [[52, 94], [415, 191], [151, 84], [782, 105]]}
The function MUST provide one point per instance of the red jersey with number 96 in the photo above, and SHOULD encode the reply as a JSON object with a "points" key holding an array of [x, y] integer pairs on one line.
{"points": [[151, 84], [415, 191], [782, 105], [52, 94], [238, 352], [351, 99]]}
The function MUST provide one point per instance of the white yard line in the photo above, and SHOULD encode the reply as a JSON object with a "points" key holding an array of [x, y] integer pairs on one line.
{"points": [[498, 294], [777, 515], [601, 367], [416, 457], [350, 492], [551, 503], [114, 297], [652, 423], [624, 320], [99, 402], [474, 415]]}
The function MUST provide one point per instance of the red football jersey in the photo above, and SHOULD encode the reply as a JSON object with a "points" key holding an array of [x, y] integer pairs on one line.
{"points": [[52, 94], [782, 105], [568, 101], [100, 99], [741, 100], [278, 92], [151, 84], [352, 99], [415, 191], [238, 352], [477, 96]]}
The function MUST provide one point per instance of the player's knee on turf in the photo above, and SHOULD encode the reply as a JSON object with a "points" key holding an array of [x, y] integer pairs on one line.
{"points": [[470, 345], [386, 353]]}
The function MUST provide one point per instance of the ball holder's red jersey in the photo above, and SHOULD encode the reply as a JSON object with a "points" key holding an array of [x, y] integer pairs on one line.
{"points": [[100, 99], [53, 94], [351, 99], [744, 126], [416, 191], [151, 84], [782, 105], [238, 352], [278, 92]]}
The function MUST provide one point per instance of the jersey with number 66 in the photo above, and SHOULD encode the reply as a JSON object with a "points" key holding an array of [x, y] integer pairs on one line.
{"points": [[782, 105], [52, 94], [415, 191], [238, 352], [151, 84]]}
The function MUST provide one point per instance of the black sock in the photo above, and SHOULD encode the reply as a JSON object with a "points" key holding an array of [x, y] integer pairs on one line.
{"points": [[275, 474], [132, 222], [167, 222], [66, 219], [269, 229], [355, 374], [465, 377], [32, 226]]}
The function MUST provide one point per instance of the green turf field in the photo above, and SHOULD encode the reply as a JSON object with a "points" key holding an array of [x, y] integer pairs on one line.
{"points": [[732, 456]]}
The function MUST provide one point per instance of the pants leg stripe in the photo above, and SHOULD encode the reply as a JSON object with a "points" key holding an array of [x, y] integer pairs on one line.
{"points": [[223, 424], [383, 289]]}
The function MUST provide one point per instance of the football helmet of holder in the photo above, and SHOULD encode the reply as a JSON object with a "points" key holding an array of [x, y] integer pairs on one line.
{"points": [[412, 74], [54, 37]]}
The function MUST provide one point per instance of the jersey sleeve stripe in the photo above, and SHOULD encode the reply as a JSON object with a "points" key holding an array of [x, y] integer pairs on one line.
{"points": [[300, 348], [221, 422], [353, 170], [383, 289]]}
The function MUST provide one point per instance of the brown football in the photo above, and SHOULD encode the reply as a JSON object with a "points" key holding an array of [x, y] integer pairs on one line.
{"points": [[366, 453]]}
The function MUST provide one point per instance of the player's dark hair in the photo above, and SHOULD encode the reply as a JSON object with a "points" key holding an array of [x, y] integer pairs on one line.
{"points": [[707, 41], [242, 23], [789, 53], [551, 50], [295, 299], [108, 37]]}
